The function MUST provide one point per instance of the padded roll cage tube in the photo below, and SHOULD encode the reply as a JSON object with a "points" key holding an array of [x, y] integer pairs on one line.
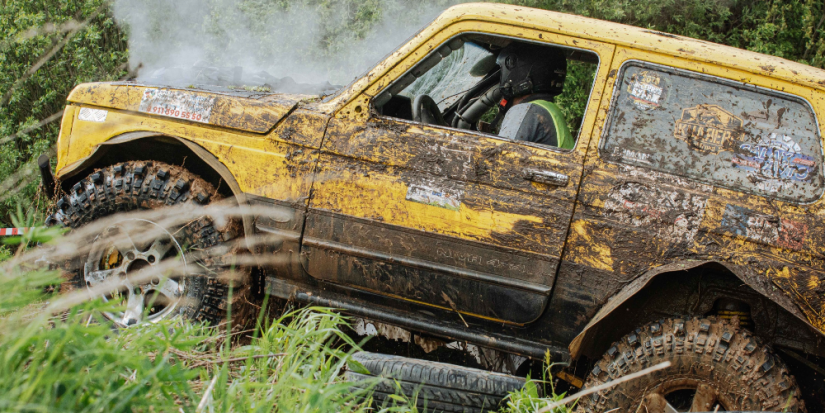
{"points": [[417, 71]]}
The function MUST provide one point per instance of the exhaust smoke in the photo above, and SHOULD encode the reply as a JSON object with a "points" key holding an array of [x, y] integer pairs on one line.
{"points": [[265, 42]]}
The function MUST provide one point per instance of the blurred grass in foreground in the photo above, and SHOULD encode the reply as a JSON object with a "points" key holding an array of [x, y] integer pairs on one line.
{"points": [[76, 360]]}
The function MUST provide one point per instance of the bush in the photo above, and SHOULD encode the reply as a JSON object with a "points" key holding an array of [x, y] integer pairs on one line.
{"points": [[85, 45]]}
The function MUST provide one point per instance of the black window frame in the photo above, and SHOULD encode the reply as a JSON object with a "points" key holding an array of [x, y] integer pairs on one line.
{"points": [[389, 88]]}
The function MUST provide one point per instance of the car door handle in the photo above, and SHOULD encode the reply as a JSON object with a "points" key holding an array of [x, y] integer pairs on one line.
{"points": [[546, 177]]}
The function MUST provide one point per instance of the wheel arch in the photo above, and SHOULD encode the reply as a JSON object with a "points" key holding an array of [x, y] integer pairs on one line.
{"points": [[174, 150], [590, 340]]}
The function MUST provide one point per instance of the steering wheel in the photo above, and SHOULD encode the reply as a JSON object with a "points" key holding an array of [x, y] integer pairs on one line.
{"points": [[425, 110]]}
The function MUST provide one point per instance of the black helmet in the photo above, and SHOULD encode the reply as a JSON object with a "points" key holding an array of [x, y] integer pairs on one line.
{"points": [[530, 68]]}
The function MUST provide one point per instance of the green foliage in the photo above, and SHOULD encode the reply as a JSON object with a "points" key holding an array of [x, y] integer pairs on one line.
{"points": [[77, 365], [528, 398], [75, 361], [30, 30], [576, 94], [309, 354], [60, 353], [72, 366], [790, 29]]}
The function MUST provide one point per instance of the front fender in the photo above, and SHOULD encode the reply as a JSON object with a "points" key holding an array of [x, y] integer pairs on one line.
{"points": [[89, 161]]}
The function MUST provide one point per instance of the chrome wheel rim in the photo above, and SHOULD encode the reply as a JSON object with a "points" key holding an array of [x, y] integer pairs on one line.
{"points": [[147, 293]]}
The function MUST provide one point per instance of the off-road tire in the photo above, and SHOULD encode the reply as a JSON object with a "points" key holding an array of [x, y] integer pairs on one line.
{"points": [[746, 375], [134, 186], [441, 387]]}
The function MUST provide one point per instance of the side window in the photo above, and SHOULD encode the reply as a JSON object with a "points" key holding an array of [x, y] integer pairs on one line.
{"points": [[517, 90], [715, 130]]}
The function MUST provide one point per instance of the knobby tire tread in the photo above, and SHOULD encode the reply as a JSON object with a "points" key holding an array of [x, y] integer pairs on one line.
{"points": [[444, 387], [717, 352], [144, 185]]}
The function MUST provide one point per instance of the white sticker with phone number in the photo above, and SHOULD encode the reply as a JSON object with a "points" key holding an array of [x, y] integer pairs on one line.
{"points": [[177, 104]]}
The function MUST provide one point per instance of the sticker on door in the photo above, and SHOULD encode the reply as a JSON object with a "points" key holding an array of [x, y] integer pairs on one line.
{"points": [[437, 197]]}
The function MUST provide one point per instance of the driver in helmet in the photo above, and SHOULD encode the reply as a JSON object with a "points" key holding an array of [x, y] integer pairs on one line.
{"points": [[531, 77]]}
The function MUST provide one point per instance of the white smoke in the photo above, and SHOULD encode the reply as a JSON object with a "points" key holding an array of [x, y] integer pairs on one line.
{"points": [[310, 41]]}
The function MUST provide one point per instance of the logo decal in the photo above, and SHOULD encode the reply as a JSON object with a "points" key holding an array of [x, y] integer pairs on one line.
{"points": [[632, 156], [763, 228], [775, 161], [707, 127]]}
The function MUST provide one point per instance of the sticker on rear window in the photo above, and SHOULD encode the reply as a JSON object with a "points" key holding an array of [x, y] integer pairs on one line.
{"points": [[646, 90], [775, 162], [177, 104]]}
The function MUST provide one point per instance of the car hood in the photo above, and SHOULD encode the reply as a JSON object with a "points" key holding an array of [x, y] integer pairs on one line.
{"points": [[251, 109]]}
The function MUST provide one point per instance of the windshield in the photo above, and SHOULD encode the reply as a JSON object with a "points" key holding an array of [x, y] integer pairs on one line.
{"points": [[450, 77]]}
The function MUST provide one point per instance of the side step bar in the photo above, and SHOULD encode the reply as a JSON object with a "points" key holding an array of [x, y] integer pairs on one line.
{"points": [[286, 290]]}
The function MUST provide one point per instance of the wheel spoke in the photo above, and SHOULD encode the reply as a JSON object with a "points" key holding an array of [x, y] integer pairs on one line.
{"points": [[97, 277], [134, 307], [170, 288], [704, 399], [129, 254], [159, 248]]}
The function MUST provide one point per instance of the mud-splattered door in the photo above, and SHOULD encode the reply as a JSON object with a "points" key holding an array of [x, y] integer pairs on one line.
{"points": [[440, 217], [443, 217]]}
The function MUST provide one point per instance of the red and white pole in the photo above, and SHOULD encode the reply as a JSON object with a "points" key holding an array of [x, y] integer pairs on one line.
{"points": [[8, 232]]}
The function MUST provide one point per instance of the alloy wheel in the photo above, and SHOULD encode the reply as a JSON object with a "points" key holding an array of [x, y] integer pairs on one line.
{"points": [[120, 254]]}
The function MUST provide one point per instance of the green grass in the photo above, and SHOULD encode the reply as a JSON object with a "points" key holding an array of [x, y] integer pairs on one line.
{"points": [[59, 354], [61, 357], [77, 361]]}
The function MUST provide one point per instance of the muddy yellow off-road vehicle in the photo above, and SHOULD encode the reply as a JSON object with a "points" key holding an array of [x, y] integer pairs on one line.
{"points": [[685, 225]]}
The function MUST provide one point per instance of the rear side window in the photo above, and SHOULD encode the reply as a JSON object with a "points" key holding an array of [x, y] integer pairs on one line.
{"points": [[714, 130]]}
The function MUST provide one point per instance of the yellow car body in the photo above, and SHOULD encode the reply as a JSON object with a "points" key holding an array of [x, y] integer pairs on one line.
{"points": [[530, 266]]}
